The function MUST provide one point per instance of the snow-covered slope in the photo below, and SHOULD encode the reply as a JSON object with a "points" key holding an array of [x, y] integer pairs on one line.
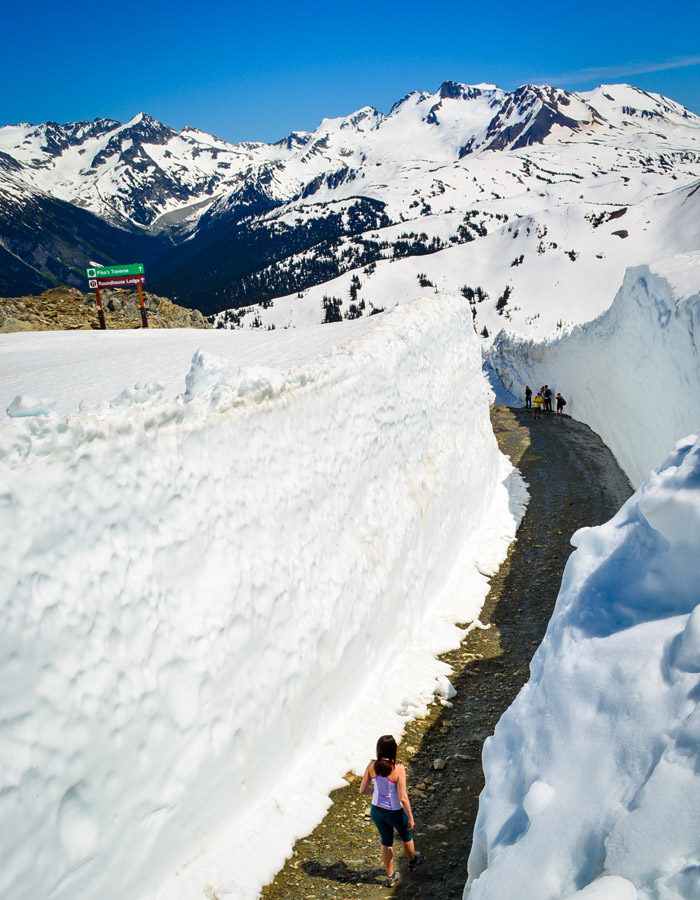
{"points": [[202, 587], [534, 274], [521, 223], [143, 169], [128, 174], [538, 166]]}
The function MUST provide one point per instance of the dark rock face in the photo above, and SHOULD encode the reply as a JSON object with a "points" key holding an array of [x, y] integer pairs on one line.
{"points": [[57, 138], [152, 184], [363, 116], [546, 116], [132, 139], [331, 180], [452, 90], [8, 163], [46, 242], [526, 117], [295, 139]]}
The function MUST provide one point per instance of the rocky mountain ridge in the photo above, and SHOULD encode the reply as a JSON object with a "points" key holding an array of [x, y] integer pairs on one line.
{"points": [[135, 173], [223, 226]]}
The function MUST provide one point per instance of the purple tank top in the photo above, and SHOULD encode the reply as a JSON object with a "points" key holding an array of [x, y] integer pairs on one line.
{"points": [[386, 794]]}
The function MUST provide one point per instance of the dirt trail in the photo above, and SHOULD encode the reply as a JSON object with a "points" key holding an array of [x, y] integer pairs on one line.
{"points": [[574, 481]]}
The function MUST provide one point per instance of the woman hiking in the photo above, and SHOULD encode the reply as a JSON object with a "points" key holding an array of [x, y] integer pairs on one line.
{"points": [[385, 779]]}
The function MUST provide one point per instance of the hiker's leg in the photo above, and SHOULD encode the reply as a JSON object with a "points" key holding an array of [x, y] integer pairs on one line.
{"points": [[388, 859]]}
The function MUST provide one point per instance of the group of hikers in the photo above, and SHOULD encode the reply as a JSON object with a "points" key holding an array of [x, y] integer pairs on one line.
{"points": [[543, 400]]}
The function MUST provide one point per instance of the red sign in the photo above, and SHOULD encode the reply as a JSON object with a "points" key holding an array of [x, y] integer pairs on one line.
{"points": [[126, 281]]}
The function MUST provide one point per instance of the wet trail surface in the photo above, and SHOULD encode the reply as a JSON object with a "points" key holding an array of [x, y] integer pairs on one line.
{"points": [[573, 481]]}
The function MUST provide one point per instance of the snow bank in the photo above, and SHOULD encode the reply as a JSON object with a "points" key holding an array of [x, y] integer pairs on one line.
{"points": [[201, 595], [633, 374], [77, 369], [593, 774]]}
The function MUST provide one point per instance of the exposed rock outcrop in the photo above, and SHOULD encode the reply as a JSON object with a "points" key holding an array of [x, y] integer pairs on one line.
{"points": [[67, 309]]}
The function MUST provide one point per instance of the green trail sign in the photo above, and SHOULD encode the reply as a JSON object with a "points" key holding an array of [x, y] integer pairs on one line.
{"points": [[117, 271], [125, 276]]}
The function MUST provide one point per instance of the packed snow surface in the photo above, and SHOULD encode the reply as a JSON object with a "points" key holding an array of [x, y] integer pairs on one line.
{"points": [[75, 367], [203, 586]]}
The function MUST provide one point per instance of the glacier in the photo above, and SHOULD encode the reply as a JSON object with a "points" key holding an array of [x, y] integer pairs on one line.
{"points": [[199, 586]]}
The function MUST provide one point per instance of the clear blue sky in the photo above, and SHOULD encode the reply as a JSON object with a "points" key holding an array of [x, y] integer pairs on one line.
{"points": [[261, 70]]}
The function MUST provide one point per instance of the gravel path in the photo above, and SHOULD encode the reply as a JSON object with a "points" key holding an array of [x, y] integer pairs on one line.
{"points": [[574, 481]]}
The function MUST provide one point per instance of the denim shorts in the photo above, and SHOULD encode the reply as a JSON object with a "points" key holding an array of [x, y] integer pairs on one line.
{"points": [[387, 820]]}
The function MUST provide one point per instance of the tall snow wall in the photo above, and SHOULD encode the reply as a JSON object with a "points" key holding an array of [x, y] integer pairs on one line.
{"points": [[592, 775], [633, 374], [196, 592]]}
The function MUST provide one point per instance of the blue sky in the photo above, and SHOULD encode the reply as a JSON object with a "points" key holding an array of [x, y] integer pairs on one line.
{"points": [[260, 70]]}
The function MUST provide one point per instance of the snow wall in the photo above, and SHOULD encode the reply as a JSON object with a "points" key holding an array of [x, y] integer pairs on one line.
{"points": [[633, 374], [593, 774], [201, 595]]}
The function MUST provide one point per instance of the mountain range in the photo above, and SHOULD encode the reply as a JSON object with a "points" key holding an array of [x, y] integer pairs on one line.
{"points": [[463, 176]]}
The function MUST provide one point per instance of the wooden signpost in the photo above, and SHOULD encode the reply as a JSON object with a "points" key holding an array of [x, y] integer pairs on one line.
{"points": [[121, 277]]}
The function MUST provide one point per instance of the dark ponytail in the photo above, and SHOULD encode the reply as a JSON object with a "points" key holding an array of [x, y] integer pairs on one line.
{"points": [[386, 755]]}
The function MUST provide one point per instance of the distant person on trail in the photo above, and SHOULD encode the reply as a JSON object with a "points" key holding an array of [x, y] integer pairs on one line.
{"points": [[385, 779], [561, 403], [547, 394], [537, 406], [528, 397]]}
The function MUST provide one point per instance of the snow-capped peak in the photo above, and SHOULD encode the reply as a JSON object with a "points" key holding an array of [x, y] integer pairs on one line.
{"points": [[143, 171]]}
